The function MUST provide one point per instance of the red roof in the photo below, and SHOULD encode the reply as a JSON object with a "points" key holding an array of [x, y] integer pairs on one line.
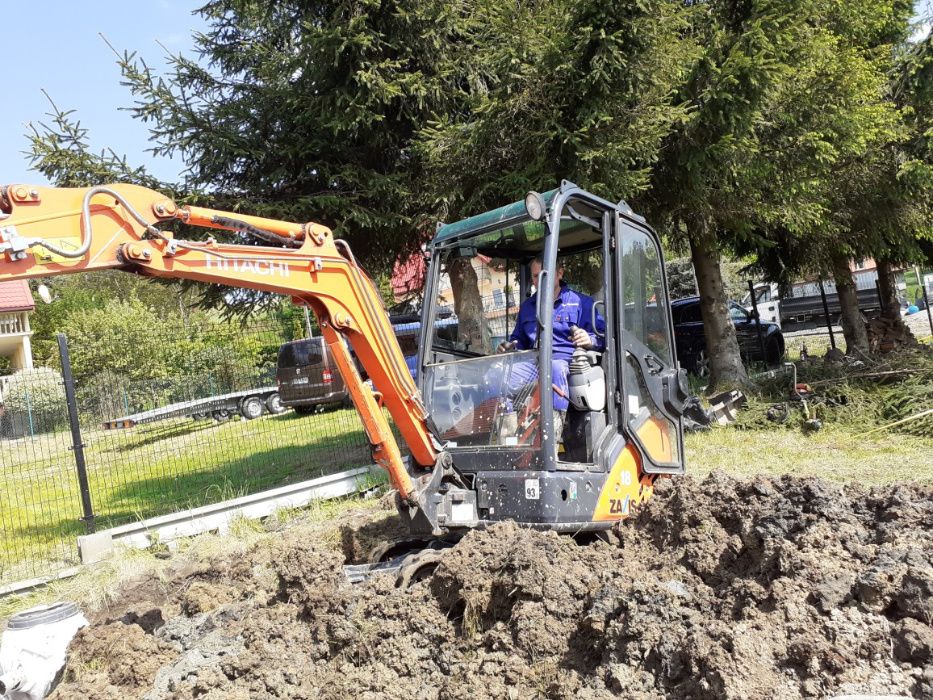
{"points": [[408, 276], [15, 296]]}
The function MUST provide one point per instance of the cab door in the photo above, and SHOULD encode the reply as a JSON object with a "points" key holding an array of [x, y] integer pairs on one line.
{"points": [[653, 388], [768, 304]]}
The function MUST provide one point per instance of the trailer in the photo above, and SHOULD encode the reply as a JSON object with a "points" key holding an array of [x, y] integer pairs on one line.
{"points": [[797, 313], [249, 403], [808, 311]]}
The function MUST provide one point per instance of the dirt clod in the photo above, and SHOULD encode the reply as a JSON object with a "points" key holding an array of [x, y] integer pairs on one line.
{"points": [[913, 641], [721, 588], [113, 660]]}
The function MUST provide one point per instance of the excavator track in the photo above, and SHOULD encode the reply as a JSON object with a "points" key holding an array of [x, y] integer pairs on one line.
{"points": [[408, 560]]}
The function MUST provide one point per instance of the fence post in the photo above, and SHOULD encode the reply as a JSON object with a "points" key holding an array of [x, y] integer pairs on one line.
{"points": [[32, 427], [926, 303], [308, 332], [829, 321], [77, 444], [880, 297], [761, 341]]}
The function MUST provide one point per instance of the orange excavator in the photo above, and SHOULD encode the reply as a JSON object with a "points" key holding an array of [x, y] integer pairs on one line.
{"points": [[491, 435]]}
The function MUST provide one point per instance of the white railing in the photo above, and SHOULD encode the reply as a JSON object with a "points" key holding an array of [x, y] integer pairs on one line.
{"points": [[13, 324]]}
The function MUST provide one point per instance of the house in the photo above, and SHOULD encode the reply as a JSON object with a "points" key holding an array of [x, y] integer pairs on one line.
{"points": [[497, 285], [15, 306]]}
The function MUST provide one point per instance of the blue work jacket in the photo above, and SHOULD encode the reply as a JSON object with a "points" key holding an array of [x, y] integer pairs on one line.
{"points": [[571, 308]]}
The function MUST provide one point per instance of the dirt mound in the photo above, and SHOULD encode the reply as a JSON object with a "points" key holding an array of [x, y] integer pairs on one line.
{"points": [[770, 588]]}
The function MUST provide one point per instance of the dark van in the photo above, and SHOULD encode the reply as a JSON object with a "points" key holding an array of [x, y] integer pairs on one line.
{"points": [[307, 376]]}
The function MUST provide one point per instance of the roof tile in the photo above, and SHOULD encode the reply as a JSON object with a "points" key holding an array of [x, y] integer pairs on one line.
{"points": [[15, 296]]}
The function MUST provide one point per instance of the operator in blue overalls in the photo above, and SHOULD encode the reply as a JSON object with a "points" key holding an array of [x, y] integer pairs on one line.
{"points": [[573, 328]]}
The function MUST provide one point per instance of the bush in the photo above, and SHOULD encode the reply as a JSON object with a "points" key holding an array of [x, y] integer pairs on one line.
{"points": [[39, 390], [123, 337], [34, 402]]}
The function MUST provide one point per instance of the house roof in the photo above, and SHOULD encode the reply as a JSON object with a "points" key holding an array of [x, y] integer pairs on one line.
{"points": [[15, 296], [408, 276]]}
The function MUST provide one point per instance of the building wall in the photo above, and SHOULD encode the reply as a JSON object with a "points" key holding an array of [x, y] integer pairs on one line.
{"points": [[15, 339]]}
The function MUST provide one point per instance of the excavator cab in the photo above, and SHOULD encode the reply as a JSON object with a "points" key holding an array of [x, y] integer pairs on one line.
{"points": [[533, 433]]}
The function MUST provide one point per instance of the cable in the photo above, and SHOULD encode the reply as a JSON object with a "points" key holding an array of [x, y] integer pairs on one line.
{"points": [[88, 237], [340, 243]]}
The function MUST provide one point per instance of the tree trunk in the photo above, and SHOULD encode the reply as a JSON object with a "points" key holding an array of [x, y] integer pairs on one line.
{"points": [[468, 305], [853, 325], [722, 345], [886, 286]]}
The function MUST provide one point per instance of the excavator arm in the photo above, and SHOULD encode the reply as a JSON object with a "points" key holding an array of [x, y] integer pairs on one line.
{"points": [[48, 231]]}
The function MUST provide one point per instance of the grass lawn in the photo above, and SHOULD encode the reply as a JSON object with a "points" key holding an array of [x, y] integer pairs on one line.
{"points": [[836, 453], [152, 470]]}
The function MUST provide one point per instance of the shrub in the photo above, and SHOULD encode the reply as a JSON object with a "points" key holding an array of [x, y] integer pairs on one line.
{"points": [[40, 390], [34, 402]]}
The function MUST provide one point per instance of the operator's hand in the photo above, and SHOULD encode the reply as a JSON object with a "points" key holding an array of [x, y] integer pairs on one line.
{"points": [[506, 346], [580, 338]]}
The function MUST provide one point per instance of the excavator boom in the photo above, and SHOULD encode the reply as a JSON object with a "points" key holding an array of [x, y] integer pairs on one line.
{"points": [[46, 231]]}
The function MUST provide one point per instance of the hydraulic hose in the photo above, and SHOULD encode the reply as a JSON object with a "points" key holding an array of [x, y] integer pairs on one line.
{"points": [[86, 224]]}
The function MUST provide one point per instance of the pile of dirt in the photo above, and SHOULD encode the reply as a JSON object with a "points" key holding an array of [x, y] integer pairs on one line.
{"points": [[721, 588]]}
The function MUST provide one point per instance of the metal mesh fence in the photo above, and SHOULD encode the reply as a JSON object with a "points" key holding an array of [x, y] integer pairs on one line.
{"points": [[158, 438], [39, 512]]}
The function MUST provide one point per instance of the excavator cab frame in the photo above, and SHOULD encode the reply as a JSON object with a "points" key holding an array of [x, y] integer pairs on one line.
{"points": [[497, 431]]}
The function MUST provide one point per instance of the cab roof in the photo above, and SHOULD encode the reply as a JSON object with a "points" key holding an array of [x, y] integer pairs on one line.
{"points": [[490, 220]]}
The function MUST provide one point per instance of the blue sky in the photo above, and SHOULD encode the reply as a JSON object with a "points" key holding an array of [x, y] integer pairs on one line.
{"points": [[55, 46]]}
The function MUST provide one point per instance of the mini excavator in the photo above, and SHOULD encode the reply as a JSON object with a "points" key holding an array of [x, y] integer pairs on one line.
{"points": [[485, 441]]}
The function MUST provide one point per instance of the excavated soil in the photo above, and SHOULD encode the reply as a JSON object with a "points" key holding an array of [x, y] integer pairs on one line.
{"points": [[721, 588]]}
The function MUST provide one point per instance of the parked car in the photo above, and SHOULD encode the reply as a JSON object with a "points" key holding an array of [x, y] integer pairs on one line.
{"points": [[691, 340], [308, 377]]}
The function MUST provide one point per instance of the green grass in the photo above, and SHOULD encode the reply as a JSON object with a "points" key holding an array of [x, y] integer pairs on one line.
{"points": [[873, 430], [817, 345], [152, 470], [836, 453]]}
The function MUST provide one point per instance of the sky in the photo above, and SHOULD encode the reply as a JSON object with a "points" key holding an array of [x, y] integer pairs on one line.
{"points": [[923, 16], [55, 45]]}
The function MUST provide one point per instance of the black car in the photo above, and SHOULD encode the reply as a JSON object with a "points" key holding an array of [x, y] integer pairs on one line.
{"points": [[691, 341]]}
